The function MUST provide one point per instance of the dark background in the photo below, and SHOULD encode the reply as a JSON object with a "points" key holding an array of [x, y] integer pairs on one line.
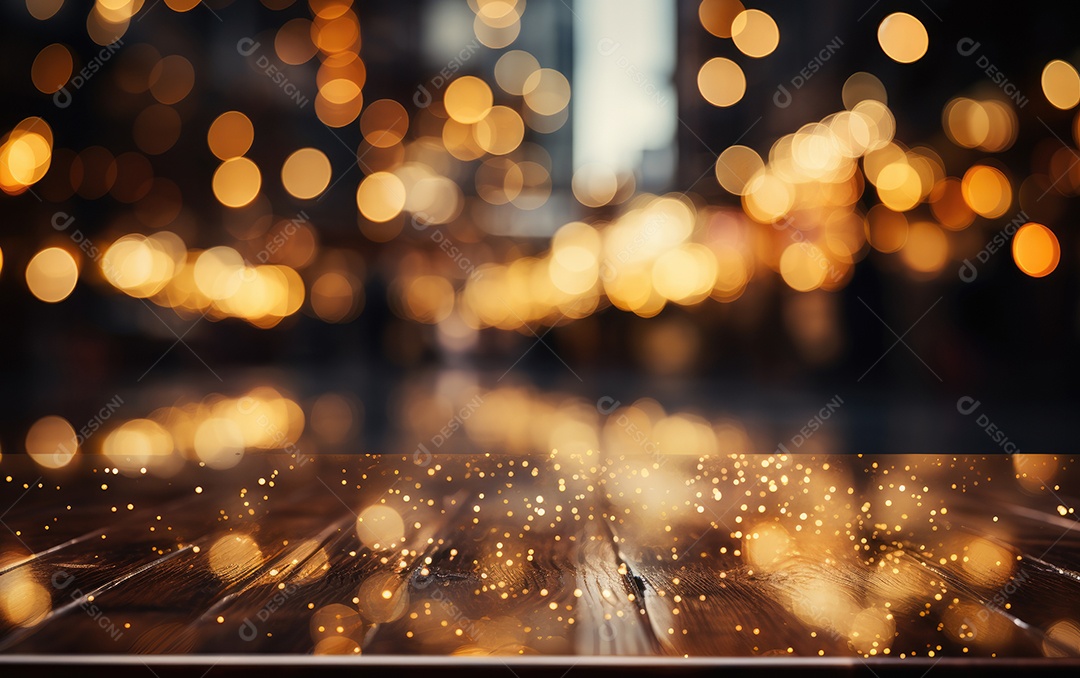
{"points": [[1005, 339]]}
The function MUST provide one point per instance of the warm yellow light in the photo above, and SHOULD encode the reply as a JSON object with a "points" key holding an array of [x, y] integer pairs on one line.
{"points": [[171, 79], [685, 274], [137, 444], [862, 86], [142, 266], [306, 173], [987, 191], [218, 272], [767, 546], [767, 197], [966, 122], [25, 155], [237, 182], [803, 266], [293, 44], [51, 442], [899, 187], [716, 16], [219, 443], [380, 196], [903, 37], [335, 296], [52, 274], [1036, 250], [501, 131], [380, 527], [721, 82], [52, 68], [230, 135], [23, 601], [182, 5], [43, 9], [1061, 84], [736, 166], [513, 69], [429, 299], [886, 230], [468, 99], [234, 555], [755, 33], [987, 564], [594, 185], [546, 91], [948, 205], [927, 249], [384, 123]]}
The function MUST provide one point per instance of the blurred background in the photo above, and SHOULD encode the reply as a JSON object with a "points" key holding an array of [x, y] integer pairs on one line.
{"points": [[705, 226]]}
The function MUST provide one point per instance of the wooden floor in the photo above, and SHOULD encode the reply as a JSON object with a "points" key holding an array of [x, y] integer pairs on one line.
{"points": [[859, 558]]}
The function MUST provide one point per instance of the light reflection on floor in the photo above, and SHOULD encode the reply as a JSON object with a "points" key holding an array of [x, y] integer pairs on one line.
{"points": [[569, 552]]}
